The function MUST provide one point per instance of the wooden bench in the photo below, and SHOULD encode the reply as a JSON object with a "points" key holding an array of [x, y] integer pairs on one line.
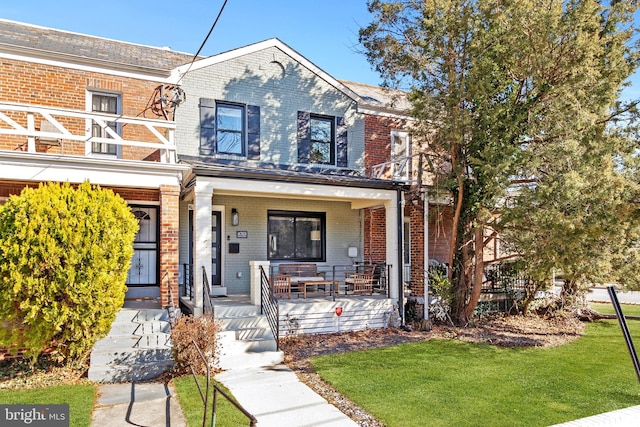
{"points": [[301, 273]]}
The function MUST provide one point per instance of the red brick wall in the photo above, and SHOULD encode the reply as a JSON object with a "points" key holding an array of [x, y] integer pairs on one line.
{"points": [[169, 241], [37, 84], [375, 238]]}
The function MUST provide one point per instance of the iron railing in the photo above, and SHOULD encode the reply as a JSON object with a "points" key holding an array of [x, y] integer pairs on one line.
{"points": [[269, 307], [207, 305], [216, 390], [186, 287]]}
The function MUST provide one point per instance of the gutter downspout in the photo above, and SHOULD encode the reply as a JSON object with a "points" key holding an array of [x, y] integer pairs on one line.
{"points": [[400, 215], [425, 228]]}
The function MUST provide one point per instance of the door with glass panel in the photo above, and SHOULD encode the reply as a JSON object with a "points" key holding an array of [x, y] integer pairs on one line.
{"points": [[144, 264]]}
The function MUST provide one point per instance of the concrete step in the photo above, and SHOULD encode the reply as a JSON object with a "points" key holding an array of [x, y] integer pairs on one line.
{"points": [[121, 356], [223, 311], [137, 347], [138, 328], [159, 340], [128, 372]]}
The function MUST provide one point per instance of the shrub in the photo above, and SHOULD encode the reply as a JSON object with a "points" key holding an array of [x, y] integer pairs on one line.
{"points": [[64, 258], [203, 330]]}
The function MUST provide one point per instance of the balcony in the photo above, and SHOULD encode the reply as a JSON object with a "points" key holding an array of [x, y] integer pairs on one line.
{"points": [[42, 129]]}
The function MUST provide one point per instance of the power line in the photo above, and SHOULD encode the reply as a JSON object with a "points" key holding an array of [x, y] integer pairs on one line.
{"points": [[204, 41]]}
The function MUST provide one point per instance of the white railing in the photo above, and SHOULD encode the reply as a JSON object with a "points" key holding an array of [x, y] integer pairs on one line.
{"points": [[51, 127], [417, 168]]}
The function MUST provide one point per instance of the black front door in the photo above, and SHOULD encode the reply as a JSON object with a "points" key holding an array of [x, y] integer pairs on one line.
{"points": [[216, 249]]}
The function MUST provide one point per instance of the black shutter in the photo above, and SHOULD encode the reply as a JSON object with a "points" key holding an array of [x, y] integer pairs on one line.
{"points": [[304, 136], [253, 132], [341, 143], [207, 126]]}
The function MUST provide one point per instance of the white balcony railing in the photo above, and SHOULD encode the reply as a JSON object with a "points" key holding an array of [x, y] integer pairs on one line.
{"points": [[414, 169], [50, 121]]}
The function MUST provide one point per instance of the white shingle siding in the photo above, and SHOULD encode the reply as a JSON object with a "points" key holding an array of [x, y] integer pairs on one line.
{"points": [[255, 79]]}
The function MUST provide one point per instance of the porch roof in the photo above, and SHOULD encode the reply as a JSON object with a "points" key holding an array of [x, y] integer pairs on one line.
{"points": [[283, 173]]}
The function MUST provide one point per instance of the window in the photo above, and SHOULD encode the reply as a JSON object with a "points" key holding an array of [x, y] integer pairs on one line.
{"points": [[400, 151], [322, 139], [296, 236], [322, 144], [228, 128], [104, 103]]}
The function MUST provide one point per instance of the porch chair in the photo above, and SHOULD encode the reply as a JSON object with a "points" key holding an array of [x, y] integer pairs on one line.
{"points": [[281, 285], [363, 283]]}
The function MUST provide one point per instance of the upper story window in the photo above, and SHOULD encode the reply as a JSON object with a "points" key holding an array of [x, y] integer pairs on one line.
{"points": [[322, 148], [104, 103], [322, 139], [400, 152], [228, 128]]}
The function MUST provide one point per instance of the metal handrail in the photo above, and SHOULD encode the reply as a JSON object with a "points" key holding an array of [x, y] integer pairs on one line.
{"points": [[205, 398], [206, 293], [187, 281], [269, 307]]}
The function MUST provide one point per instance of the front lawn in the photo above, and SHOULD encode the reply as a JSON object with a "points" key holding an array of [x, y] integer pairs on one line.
{"points": [[450, 382], [79, 397]]}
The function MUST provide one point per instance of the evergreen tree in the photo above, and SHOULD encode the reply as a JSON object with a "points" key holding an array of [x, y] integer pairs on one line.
{"points": [[510, 92]]}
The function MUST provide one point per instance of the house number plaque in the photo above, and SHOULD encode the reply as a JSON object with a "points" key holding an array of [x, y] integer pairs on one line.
{"points": [[242, 234]]}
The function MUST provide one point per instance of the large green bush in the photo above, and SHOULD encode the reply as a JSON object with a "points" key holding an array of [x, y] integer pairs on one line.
{"points": [[64, 257]]}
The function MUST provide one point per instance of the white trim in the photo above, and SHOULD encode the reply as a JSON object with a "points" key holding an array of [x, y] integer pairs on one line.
{"points": [[359, 197], [180, 71], [80, 67], [42, 167], [143, 202]]}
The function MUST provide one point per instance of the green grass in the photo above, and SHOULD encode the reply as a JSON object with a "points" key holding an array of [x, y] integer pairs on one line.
{"points": [[79, 397], [192, 406], [449, 382]]}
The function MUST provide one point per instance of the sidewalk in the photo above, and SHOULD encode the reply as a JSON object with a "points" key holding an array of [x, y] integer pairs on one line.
{"points": [[277, 398], [144, 404]]}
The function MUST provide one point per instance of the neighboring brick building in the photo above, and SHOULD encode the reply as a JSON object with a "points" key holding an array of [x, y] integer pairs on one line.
{"points": [[391, 153], [74, 108]]}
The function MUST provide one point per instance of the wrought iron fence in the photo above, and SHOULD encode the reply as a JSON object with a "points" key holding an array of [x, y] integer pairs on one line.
{"points": [[269, 306]]}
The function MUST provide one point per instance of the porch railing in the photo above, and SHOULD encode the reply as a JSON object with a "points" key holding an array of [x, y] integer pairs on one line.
{"points": [[269, 306], [42, 123], [186, 287], [207, 305], [415, 169]]}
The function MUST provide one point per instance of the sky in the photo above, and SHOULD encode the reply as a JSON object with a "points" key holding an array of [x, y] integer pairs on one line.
{"points": [[325, 32]]}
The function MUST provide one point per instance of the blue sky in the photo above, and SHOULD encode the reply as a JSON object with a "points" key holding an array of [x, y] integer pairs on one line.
{"points": [[325, 32]]}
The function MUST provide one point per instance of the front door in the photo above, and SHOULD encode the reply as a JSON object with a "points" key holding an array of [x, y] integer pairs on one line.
{"points": [[144, 264], [216, 248]]}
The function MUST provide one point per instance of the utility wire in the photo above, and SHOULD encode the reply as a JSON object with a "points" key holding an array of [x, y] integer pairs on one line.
{"points": [[204, 41]]}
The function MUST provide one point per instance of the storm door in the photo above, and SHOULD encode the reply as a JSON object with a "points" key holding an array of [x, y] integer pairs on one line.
{"points": [[144, 264]]}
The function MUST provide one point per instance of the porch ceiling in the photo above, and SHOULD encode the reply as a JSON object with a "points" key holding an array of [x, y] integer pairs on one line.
{"points": [[359, 198]]}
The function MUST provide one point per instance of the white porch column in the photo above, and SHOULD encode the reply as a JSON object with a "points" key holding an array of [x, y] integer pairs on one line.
{"points": [[391, 226], [202, 240], [256, 290]]}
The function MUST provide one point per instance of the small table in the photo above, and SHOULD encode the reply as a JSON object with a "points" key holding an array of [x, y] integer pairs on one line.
{"points": [[324, 283]]}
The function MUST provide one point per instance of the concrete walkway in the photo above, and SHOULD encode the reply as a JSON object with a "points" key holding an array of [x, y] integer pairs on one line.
{"points": [[277, 398], [627, 417], [137, 404]]}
